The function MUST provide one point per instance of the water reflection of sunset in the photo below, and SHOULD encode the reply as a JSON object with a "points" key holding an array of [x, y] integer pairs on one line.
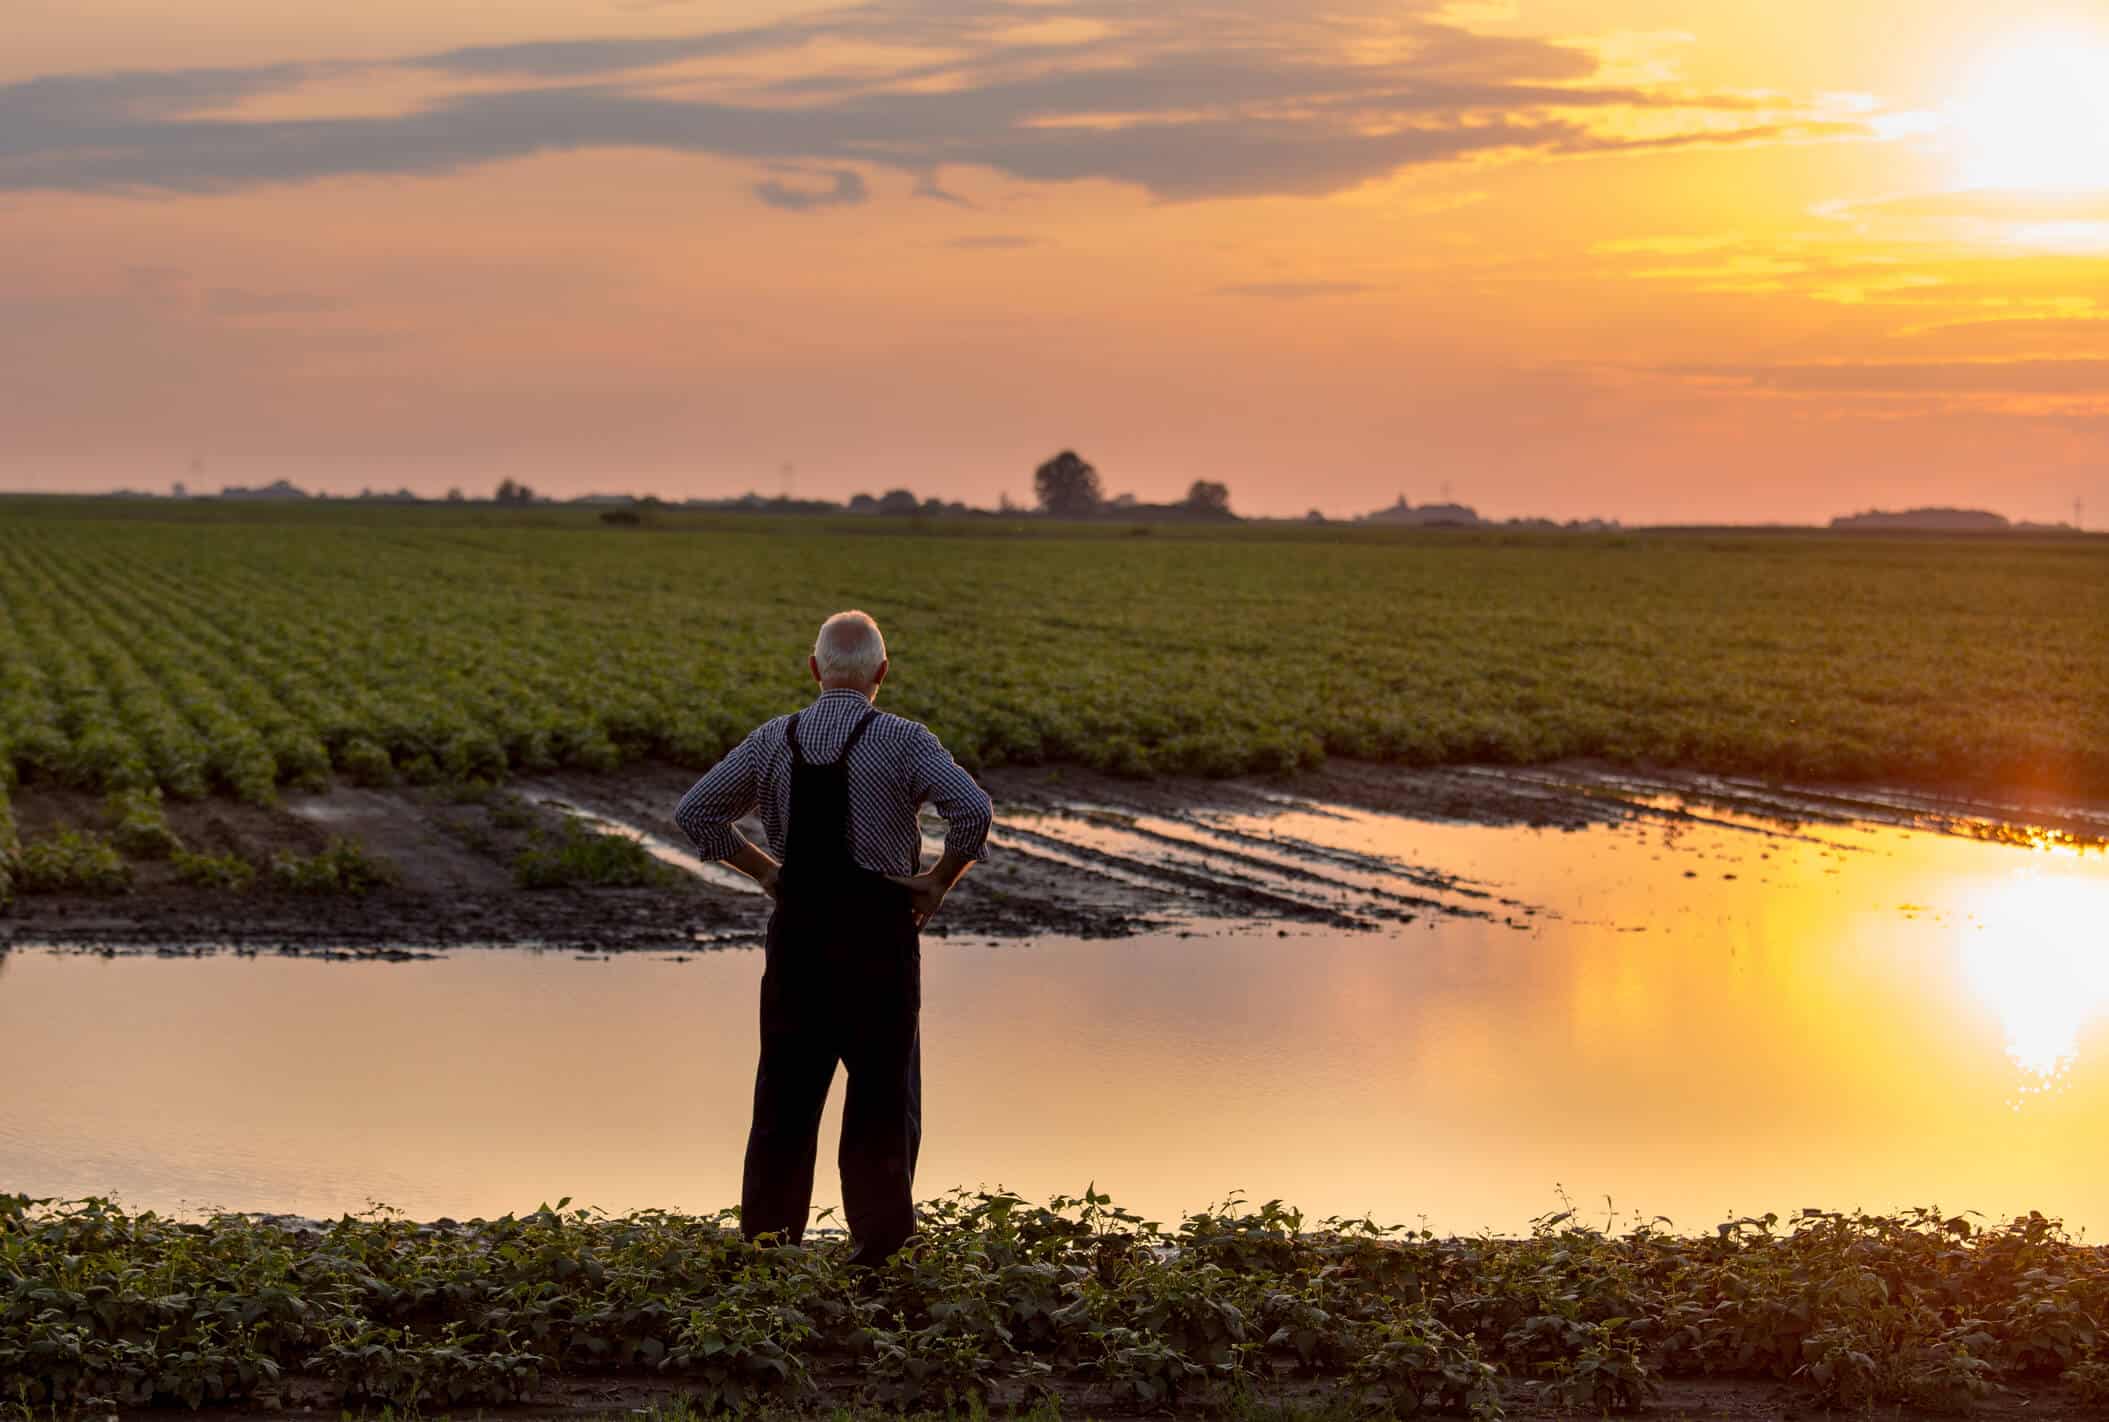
{"points": [[2035, 951], [1825, 1015]]}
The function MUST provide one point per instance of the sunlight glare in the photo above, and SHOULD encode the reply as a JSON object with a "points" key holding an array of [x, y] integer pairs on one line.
{"points": [[2034, 115], [2037, 955]]}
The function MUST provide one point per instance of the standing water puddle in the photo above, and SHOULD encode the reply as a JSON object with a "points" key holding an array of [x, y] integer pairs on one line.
{"points": [[1695, 1014]]}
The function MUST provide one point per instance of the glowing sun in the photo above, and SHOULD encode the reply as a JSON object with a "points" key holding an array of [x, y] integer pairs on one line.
{"points": [[2033, 114]]}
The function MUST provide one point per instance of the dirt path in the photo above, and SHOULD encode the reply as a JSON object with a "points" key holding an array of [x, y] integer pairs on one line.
{"points": [[1073, 854]]}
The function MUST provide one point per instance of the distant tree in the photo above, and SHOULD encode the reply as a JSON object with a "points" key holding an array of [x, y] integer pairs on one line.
{"points": [[1208, 497], [1121, 501], [1314, 516], [512, 493], [1006, 504], [898, 501], [454, 496], [863, 504], [1067, 487]]}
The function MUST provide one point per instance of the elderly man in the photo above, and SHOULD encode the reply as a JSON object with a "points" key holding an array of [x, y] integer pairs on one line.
{"points": [[838, 785]]}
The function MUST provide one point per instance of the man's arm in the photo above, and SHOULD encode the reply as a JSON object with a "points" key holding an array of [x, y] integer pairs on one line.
{"points": [[756, 863], [707, 811], [936, 779]]}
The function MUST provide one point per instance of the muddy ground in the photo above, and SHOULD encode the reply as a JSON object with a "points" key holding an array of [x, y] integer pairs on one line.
{"points": [[1072, 854], [1694, 1399]]}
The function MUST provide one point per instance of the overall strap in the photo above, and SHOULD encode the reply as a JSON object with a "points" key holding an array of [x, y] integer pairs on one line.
{"points": [[856, 734], [798, 755]]}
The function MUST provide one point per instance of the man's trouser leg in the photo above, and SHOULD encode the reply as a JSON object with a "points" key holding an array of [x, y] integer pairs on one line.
{"points": [[882, 1129], [798, 1058]]}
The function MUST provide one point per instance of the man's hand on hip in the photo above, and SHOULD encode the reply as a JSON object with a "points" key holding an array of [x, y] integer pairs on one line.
{"points": [[925, 893], [927, 890]]}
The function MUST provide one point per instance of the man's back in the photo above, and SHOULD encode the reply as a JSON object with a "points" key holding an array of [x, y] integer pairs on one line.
{"points": [[896, 767]]}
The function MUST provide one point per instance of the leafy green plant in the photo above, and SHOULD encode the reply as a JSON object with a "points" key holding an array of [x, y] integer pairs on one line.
{"points": [[581, 855], [363, 762], [735, 1355], [939, 1365], [1604, 1373], [393, 1365], [70, 861], [140, 828], [1144, 1368], [1417, 1363], [342, 867], [230, 872], [2089, 1381]]}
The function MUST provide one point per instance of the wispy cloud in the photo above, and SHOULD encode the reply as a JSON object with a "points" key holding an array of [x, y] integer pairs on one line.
{"points": [[1274, 100], [1979, 204], [846, 190], [2088, 377]]}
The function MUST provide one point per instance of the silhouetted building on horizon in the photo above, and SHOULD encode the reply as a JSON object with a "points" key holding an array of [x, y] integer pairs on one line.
{"points": [[1938, 520], [276, 489], [1405, 515], [1447, 515]]}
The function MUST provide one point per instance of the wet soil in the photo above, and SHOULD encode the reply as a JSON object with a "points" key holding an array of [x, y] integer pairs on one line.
{"points": [[1073, 854], [1694, 1399]]}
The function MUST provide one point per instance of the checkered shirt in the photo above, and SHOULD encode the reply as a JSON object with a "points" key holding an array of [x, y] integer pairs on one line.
{"points": [[895, 769]]}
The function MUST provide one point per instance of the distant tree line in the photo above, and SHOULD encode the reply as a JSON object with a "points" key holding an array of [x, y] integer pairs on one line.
{"points": [[1068, 486], [902, 503]]}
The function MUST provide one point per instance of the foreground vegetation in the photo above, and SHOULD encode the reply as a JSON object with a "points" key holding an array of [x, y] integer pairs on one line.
{"points": [[239, 651], [1007, 1302]]}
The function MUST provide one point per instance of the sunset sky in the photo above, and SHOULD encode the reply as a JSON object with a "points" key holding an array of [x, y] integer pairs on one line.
{"points": [[1659, 260]]}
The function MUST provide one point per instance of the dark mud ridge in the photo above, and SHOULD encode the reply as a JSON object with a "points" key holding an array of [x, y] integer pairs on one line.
{"points": [[1073, 854]]}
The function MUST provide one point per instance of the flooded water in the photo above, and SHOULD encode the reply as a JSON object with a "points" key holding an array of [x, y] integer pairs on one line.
{"points": [[1696, 1017]]}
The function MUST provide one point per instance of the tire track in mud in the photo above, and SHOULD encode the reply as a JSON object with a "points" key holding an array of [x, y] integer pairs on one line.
{"points": [[1202, 858], [1628, 798], [1289, 847], [1201, 889]]}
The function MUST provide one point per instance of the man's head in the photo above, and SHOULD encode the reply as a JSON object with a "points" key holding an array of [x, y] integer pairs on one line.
{"points": [[849, 654]]}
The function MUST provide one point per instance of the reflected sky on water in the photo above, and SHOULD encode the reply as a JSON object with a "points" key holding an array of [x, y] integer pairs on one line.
{"points": [[1702, 1020]]}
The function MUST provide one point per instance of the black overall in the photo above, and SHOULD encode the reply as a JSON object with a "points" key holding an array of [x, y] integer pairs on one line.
{"points": [[843, 983]]}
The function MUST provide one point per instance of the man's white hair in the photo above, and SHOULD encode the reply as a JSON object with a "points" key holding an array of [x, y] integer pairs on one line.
{"points": [[850, 648]]}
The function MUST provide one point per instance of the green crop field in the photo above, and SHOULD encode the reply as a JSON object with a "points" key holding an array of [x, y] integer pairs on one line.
{"points": [[235, 650]]}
